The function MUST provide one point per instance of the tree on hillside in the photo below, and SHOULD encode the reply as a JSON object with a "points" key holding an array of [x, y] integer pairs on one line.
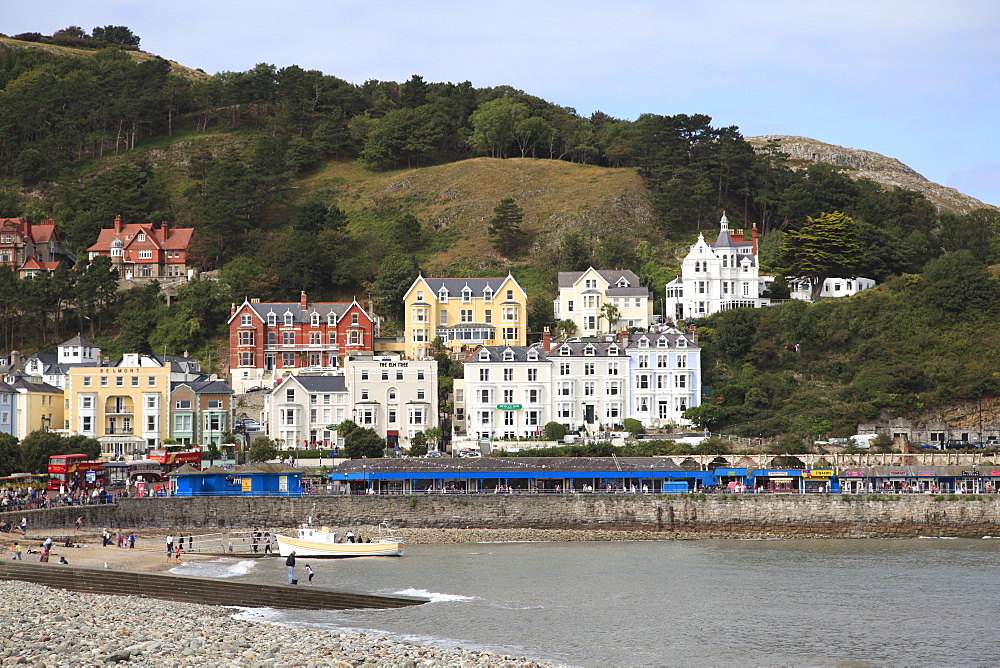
{"points": [[957, 283], [116, 35], [824, 247], [390, 285], [505, 226]]}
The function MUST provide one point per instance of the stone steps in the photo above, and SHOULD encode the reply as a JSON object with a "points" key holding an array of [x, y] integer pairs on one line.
{"points": [[207, 591]]}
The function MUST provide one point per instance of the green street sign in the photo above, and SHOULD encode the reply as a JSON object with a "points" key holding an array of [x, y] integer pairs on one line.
{"points": [[508, 407], [332, 427]]}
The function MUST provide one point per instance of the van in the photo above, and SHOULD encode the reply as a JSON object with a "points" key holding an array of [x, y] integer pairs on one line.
{"points": [[863, 441]]}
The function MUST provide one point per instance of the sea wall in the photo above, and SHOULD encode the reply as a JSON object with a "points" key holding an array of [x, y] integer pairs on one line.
{"points": [[669, 515]]}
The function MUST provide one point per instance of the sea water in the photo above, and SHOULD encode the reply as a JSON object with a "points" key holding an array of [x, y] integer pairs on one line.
{"points": [[790, 602]]}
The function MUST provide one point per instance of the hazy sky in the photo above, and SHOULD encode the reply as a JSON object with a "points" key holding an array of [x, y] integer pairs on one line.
{"points": [[915, 80]]}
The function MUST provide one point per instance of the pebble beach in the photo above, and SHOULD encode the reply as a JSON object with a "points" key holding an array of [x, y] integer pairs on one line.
{"points": [[52, 627]]}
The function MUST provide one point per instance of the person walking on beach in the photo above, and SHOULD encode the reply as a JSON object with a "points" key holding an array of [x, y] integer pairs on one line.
{"points": [[290, 562], [17, 552], [310, 573], [170, 547], [120, 538], [105, 538], [131, 541], [24, 525], [267, 542]]}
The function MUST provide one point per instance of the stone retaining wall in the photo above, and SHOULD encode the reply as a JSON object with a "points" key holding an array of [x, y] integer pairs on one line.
{"points": [[676, 515]]}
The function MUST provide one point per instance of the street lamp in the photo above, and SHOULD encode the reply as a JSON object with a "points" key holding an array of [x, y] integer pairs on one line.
{"points": [[241, 430]]}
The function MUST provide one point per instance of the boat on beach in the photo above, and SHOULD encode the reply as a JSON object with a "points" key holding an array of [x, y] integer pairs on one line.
{"points": [[322, 542]]}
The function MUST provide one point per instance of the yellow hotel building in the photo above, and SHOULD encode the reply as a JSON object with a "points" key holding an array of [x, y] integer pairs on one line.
{"points": [[125, 407], [464, 313]]}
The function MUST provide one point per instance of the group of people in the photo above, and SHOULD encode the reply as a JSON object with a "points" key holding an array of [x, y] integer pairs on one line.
{"points": [[290, 563], [176, 550], [119, 539], [257, 537]]}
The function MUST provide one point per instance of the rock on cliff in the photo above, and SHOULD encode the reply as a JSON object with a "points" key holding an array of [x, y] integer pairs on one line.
{"points": [[889, 172]]}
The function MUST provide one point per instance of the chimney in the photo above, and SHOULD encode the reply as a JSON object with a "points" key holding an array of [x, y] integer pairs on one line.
{"points": [[753, 235], [255, 300], [165, 229], [546, 339], [118, 223], [303, 302], [232, 309], [693, 332], [624, 337]]}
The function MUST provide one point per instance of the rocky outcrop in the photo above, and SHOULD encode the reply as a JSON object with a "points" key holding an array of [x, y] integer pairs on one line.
{"points": [[889, 172]]}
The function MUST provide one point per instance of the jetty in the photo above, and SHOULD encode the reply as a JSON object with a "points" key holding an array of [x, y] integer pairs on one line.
{"points": [[190, 589]]}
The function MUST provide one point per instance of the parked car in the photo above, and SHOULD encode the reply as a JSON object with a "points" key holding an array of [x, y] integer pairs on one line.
{"points": [[433, 454], [467, 453], [957, 444], [249, 424], [923, 445], [256, 389]]}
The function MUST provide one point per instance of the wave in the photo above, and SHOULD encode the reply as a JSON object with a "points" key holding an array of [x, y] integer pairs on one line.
{"points": [[217, 568], [938, 537], [435, 597]]}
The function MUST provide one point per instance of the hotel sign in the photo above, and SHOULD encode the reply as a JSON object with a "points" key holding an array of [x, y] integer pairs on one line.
{"points": [[508, 407]]}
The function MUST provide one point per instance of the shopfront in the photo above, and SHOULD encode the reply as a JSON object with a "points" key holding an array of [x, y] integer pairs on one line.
{"points": [[819, 481], [783, 481]]}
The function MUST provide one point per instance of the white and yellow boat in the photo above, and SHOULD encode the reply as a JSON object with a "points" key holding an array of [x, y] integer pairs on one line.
{"points": [[322, 542]]}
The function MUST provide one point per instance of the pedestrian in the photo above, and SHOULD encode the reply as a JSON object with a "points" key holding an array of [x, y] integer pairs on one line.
{"points": [[290, 562], [47, 545], [24, 525], [17, 552], [79, 523], [105, 538], [120, 538], [190, 541], [177, 554], [170, 547], [267, 542], [131, 541], [310, 573]]}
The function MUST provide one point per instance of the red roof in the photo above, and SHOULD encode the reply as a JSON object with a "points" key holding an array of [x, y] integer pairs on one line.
{"points": [[177, 239], [43, 232]]}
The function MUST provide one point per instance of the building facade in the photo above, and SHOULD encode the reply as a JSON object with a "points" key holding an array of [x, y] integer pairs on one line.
{"points": [[583, 296], [31, 249], [664, 377], [716, 276], [304, 411], [141, 251], [396, 397], [37, 405], [464, 313], [200, 412], [125, 406], [270, 340]]}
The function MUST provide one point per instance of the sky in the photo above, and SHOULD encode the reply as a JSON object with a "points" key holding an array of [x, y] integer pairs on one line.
{"points": [[915, 80]]}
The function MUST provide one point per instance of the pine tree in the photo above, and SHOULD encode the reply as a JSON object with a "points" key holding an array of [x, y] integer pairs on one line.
{"points": [[825, 246], [505, 226]]}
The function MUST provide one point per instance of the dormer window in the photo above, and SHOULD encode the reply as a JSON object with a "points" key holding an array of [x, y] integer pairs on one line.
{"points": [[289, 318], [661, 342], [565, 351], [613, 349], [681, 342], [644, 342], [314, 319], [484, 355], [622, 283], [466, 294], [508, 355], [331, 318], [272, 319], [589, 350], [532, 355], [488, 294], [443, 295]]}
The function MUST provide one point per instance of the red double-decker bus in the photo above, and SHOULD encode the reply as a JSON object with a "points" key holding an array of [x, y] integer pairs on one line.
{"points": [[174, 459], [75, 471]]}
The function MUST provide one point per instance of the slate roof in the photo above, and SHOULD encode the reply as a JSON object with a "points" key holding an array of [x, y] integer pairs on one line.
{"points": [[653, 338], [456, 285], [577, 349], [335, 383], [79, 341], [496, 354], [204, 386], [298, 315], [499, 464], [569, 278]]}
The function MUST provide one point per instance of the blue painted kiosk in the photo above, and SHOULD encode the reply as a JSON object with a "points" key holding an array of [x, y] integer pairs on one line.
{"points": [[256, 479]]}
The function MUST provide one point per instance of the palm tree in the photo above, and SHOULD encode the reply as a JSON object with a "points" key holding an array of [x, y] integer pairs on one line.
{"points": [[610, 313]]}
